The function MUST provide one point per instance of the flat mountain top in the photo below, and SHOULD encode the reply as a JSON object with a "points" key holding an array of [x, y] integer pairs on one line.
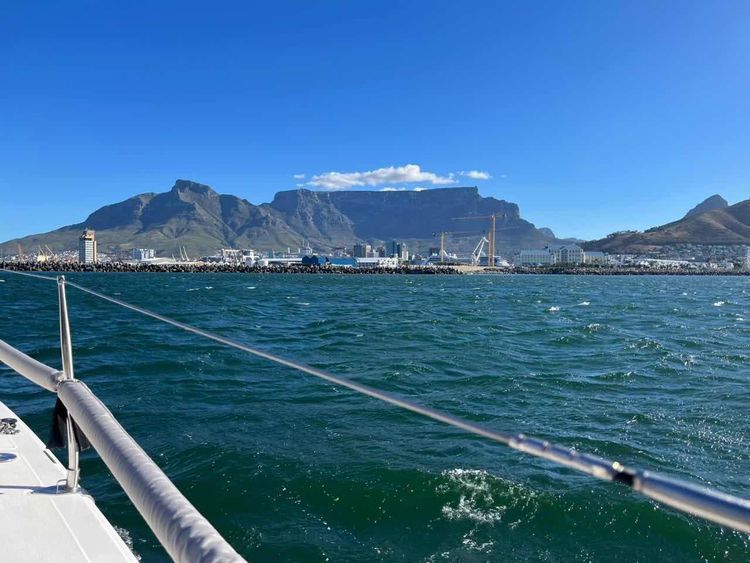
{"points": [[195, 216]]}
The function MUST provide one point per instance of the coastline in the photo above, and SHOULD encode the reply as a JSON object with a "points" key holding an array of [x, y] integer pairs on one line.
{"points": [[126, 267]]}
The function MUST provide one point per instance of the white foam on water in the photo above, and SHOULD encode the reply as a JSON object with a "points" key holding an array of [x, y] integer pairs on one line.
{"points": [[193, 289], [209, 287], [251, 287], [553, 309], [469, 543], [719, 303], [585, 303], [127, 540], [475, 501]]}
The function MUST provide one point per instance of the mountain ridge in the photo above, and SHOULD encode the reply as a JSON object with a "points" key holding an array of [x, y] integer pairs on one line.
{"points": [[197, 217], [725, 225], [711, 203]]}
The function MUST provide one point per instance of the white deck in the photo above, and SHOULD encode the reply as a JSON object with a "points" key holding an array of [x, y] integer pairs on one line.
{"points": [[38, 520]]}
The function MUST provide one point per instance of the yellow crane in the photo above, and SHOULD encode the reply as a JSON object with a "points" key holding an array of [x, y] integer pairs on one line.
{"points": [[441, 234], [490, 234]]}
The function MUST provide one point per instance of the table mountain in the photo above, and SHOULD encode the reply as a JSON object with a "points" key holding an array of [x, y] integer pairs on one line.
{"points": [[193, 215]]}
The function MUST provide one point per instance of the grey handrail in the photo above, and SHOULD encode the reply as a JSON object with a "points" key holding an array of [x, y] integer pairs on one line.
{"points": [[34, 371], [180, 528]]}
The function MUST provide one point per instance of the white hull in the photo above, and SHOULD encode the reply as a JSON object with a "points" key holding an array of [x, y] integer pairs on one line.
{"points": [[40, 521]]}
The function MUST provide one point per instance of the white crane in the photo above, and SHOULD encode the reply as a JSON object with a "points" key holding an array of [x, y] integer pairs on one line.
{"points": [[477, 254]]}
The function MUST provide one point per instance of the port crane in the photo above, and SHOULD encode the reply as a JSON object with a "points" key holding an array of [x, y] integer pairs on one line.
{"points": [[477, 254], [490, 233]]}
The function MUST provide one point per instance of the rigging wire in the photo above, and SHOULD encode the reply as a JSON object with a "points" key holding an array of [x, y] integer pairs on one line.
{"points": [[700, 501]]}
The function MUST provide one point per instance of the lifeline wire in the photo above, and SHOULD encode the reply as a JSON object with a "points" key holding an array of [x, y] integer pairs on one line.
{"points": [[700, 501]]}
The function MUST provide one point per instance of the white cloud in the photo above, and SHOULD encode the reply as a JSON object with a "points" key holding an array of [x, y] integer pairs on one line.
{"points": [[299, 176], [420, 189], [392, 189], [390, 175], [476, 174]]}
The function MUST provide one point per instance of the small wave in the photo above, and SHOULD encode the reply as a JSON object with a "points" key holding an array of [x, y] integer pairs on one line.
{"points": [[193, 289], [593, 327], [720, 303], [553, 309], [584, 303], [251, 287], [209, 287], [475, 500], [2, 281], [472, 545], [303, 303]]}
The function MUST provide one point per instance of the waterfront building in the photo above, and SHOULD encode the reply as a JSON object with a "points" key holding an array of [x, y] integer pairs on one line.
{"points": [[594, 257], [314, 260], [342, 262], [567, 253], [87, 253], [232, 256], [378, 262], [541, 257], [361, 250], [142, 254]]}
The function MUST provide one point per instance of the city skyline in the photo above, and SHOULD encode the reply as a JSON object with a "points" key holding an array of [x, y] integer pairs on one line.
{"points": [[591, 118]]}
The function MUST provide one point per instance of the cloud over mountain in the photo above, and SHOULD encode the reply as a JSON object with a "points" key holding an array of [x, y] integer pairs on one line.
{"points": [[476, 174], [408, 173]]}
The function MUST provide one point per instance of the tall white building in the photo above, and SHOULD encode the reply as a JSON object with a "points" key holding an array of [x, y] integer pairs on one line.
{"points": [[87, 247]]}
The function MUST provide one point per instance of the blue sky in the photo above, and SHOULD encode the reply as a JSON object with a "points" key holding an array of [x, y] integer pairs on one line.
{"points": [[592, 116]]}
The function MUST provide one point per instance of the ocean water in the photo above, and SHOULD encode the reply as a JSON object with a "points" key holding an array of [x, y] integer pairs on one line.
{"points": [[651, 371]]}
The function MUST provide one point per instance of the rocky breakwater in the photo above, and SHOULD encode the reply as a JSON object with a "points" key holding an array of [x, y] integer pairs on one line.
{"points": [[214, 268]]}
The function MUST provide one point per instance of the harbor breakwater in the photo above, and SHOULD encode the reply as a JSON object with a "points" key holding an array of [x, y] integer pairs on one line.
{"points": [[217, 268], [452, 269]]}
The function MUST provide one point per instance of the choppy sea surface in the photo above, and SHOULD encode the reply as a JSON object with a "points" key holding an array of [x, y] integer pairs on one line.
{"points": [[651, 371]]}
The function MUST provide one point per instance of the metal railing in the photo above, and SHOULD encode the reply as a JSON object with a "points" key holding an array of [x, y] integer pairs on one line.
{"points": [[700, 501], [180, 528]]}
